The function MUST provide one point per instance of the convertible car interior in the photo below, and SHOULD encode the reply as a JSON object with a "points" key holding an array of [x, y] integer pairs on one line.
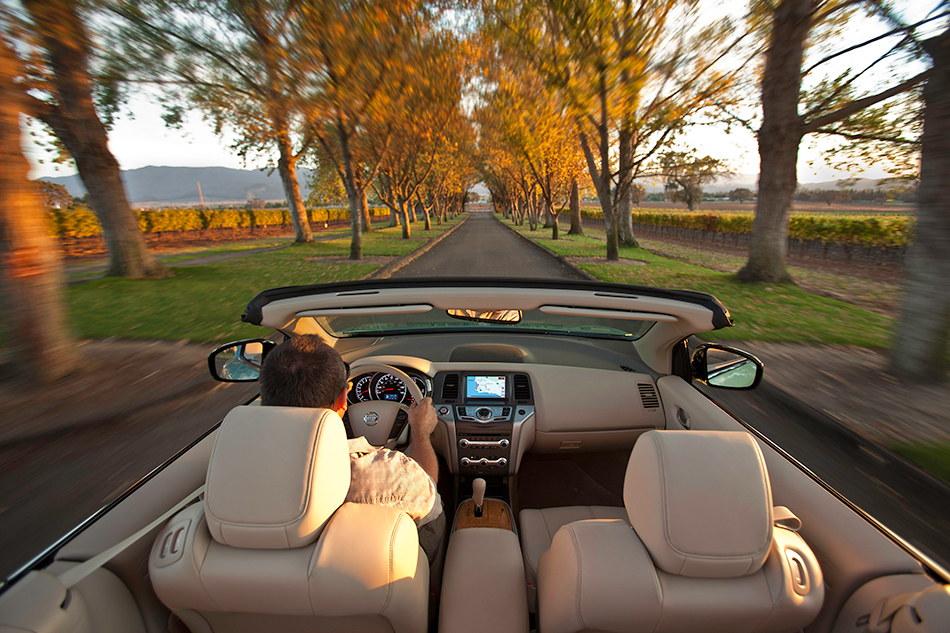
{"points": [[588, 486]]}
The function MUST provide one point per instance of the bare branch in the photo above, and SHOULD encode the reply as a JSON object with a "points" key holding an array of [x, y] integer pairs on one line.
{"points": [[856, 106]]}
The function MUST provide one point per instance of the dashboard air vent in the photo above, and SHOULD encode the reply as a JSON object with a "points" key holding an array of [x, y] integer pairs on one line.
{"points": [[450, 387], [522, 387], [648, 396]]}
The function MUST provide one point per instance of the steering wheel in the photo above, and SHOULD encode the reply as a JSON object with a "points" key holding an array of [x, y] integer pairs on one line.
{"points": [[381, 422]]}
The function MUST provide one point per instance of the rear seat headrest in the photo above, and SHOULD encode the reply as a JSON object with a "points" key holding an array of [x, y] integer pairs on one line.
{"points": [[700, 501], [276, 476]]}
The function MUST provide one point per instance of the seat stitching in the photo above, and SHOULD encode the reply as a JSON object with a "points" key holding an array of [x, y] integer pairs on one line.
{"points": [[580, 574], [392, 557]]}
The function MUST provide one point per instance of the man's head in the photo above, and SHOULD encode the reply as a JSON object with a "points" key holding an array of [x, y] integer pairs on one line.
{"points": [[304, 372]]}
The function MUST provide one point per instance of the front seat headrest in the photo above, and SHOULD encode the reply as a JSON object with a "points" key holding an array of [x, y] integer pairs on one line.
{"points": [[276, 476], [700, 501]]}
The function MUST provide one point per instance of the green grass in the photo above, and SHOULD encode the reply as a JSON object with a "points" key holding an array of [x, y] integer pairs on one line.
{"points": [[934, 458], [762, 312], [204, 303]]}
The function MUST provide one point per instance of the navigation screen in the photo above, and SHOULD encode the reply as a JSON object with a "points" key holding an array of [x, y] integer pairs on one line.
{"points": [[484, 387]]}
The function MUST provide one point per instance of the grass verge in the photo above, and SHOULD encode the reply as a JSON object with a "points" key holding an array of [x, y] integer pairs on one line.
{"points": [[762, 312], [934, 458], [204, 303]]}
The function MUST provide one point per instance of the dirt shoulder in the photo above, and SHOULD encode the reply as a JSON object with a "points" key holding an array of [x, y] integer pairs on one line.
{"points": [[851, 386]]}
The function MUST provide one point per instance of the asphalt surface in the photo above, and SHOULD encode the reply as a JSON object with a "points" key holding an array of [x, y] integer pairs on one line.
{"points": [[483, 247], [50, 483]]}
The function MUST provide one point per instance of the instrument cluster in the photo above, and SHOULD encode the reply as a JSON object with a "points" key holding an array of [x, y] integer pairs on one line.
{"points": [[380, 386]]}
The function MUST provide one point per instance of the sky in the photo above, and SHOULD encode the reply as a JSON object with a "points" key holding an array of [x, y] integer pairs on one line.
{"points": [[141, 139]]}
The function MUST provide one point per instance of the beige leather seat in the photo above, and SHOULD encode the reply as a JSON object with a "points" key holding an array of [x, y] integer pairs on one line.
{"points": [[274, 548], [702, 554], [538, 528]]}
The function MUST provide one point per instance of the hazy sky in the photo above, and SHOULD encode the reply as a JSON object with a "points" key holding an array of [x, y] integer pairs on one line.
{"points": [[142, 140]]}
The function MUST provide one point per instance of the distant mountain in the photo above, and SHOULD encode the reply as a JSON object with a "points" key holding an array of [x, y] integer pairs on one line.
{"points": [[179, 185]]}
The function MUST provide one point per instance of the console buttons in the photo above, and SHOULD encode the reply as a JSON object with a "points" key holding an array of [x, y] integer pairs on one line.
{"points": [[483, 462], [484, 413], [443, 410]]}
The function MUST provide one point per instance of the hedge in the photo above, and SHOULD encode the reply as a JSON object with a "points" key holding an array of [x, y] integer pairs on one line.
{"points": [[853, 230], [82, 222]]}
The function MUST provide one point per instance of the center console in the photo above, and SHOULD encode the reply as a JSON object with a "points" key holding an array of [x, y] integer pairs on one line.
{"points": [[485, 413]]}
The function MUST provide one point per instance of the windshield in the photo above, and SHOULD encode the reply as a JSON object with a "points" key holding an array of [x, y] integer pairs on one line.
{"points": [[437, 321]]}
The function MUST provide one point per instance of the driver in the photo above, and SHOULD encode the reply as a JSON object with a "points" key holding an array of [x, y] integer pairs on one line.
{"points": [[306, 372]]}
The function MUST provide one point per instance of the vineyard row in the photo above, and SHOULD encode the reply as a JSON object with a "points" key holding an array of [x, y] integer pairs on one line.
{"points": [[80, 222], [870, 231]]}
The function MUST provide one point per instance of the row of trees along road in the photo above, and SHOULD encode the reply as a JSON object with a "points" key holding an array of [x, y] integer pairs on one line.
{"points": [[375, 94]]}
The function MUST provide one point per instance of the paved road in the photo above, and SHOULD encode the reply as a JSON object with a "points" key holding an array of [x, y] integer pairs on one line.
{"points": [[483, 247]]}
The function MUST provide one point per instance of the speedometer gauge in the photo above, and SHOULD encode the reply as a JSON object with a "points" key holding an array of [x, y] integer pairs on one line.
{"points": [[422, 387], [361, 388], [388, 387]]}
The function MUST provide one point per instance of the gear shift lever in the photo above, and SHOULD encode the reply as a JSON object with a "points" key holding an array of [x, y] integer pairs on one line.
{"points": [[478, 495]]}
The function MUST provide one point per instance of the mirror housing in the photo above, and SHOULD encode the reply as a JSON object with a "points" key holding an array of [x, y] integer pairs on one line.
{"points": [[726, 367], [239, 361]]}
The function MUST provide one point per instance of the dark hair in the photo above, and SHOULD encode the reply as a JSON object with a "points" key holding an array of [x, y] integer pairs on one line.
{"points": [[302, 372]]}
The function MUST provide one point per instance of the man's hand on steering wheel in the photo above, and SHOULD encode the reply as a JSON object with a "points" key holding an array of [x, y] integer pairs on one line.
{"points": [[422, 418]]}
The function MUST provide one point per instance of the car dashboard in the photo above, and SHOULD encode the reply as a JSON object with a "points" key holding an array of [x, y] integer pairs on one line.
{"points": [[497, 401]]}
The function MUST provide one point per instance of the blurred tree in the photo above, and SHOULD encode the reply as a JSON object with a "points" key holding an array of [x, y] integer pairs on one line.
{"points": [[61, 92], [240, 63], [632, 74], [741, 194], [367, 58], [686, 174], [52, 195], [538, 132], [423, 123], [922, 341], [30, 268], [789, 113]]}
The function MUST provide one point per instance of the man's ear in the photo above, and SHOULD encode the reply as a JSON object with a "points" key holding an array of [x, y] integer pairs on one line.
{"points": [[339, 405]]}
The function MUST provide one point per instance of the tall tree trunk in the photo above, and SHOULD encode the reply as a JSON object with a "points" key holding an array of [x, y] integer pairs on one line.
{"points": [[549, 219], [922, 341], [404, 219], [30, 269], [287, 168], [779, 138], [367, 218], [576, 227], [625, 236], [425, 214], [354, 194], [76, 123]]}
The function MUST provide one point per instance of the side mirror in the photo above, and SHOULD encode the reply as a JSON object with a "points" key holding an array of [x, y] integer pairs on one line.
{"points": [[726, 367], [239, 361]]}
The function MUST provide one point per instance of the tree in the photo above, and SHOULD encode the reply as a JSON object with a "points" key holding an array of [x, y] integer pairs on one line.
{"points": [[32, 276], [421, 125], [633, 75], [61, 94], [741, 195], [367, 54], [238, 62], [53, 196], [686, 174], [789, 24], [922, 340]]}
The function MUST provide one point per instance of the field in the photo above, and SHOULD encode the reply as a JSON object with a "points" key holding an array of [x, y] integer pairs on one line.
{"points": [[820, 208]]}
